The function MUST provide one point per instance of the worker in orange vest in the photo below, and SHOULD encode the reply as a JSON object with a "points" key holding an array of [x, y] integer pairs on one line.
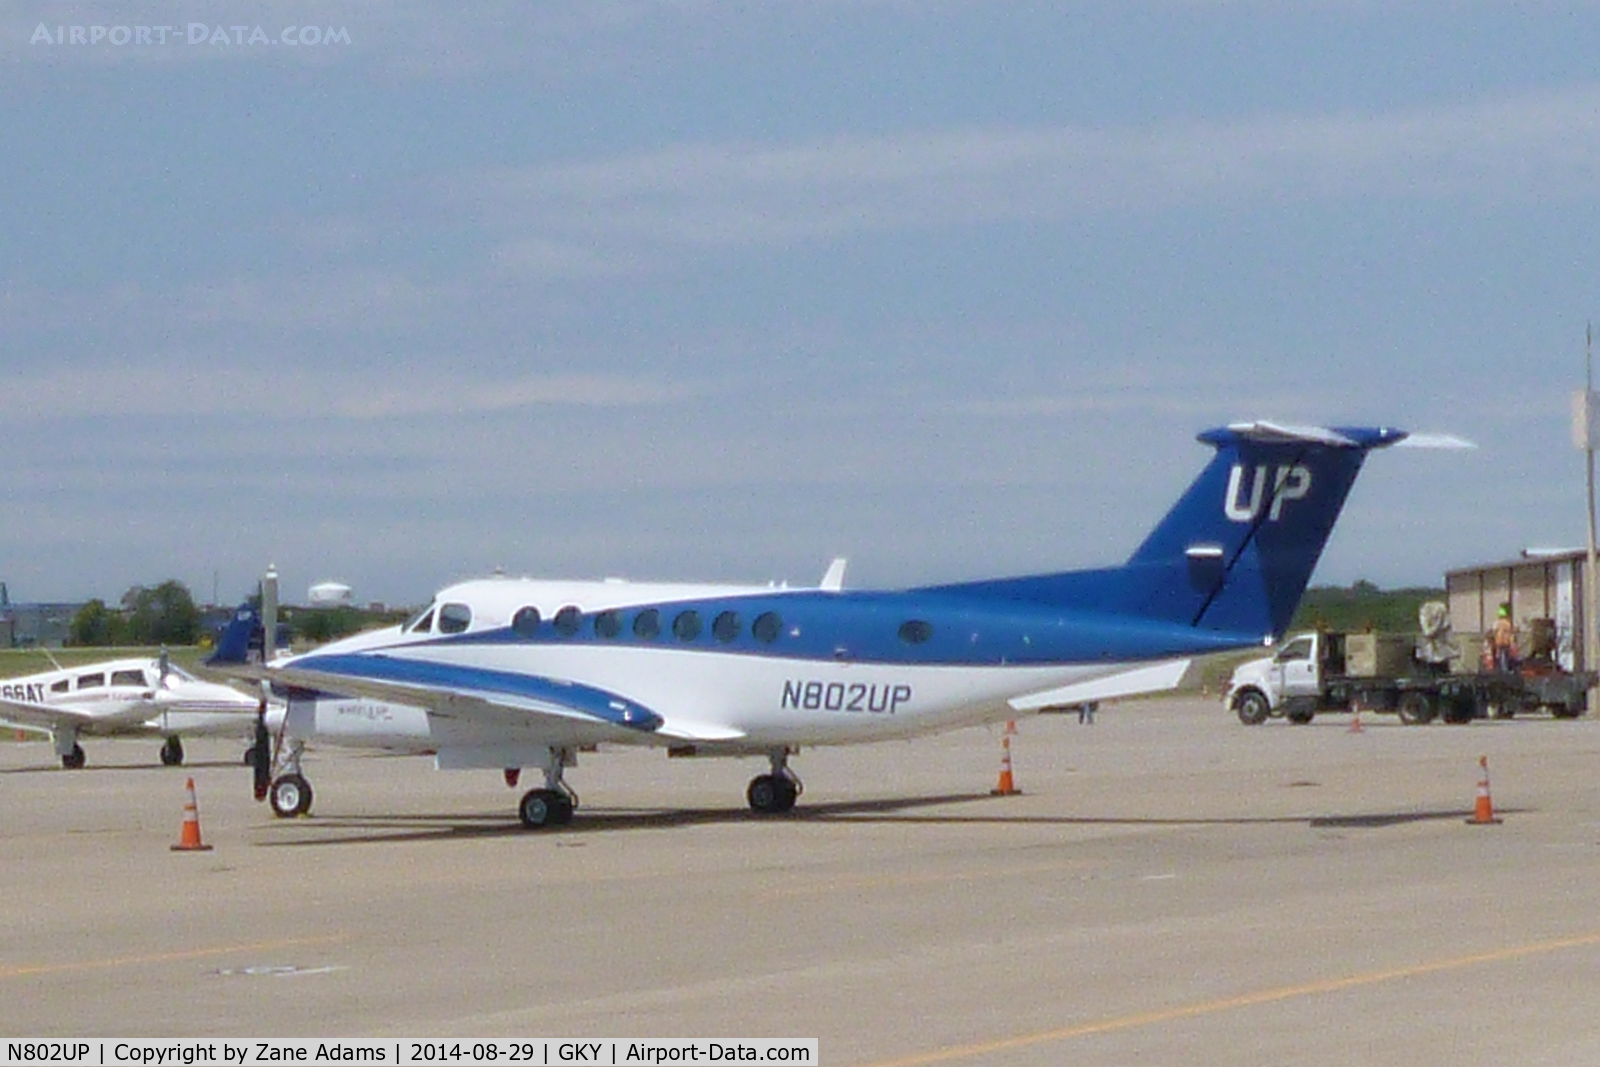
{"points": [[1503, 641]]}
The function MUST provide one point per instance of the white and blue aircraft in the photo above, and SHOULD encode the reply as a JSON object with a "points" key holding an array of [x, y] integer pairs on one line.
{"points": [[515, 673]]}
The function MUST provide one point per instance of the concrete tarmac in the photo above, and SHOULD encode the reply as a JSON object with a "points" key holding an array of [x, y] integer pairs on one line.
{"points": [[1172, 888]]}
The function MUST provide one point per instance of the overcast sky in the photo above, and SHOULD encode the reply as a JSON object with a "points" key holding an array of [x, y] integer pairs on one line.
{"points": [[398, 293]]}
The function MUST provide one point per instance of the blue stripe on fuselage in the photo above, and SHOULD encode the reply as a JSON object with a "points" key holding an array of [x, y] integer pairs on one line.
{"points": [[865, 627]]}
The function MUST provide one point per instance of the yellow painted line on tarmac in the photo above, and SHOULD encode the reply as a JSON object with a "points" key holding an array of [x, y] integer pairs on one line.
{"points": [[29, 971], [1246, 1000]]}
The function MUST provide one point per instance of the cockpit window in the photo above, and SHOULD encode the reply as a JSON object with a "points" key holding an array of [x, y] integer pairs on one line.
{"points": [[421, 623], [454, 618], [130, 677]]}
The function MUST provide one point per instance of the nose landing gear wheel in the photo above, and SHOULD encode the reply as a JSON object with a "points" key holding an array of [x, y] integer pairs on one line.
{"points": [[74, 760], [290, 796], [540, 808], [172, 751]]}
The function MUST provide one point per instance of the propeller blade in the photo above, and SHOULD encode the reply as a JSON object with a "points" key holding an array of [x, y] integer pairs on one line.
{"points": [[261, 758]]}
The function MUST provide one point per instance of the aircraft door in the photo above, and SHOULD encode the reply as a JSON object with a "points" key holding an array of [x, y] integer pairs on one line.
{"points": [[1296, 669]]}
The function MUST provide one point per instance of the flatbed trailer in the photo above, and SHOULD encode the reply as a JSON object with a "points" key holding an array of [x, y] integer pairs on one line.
{"points": [[1306, 677], [1459, 698]]}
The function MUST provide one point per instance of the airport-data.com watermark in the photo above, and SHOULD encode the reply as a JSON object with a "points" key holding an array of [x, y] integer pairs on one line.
{"points": [[193, 33]]}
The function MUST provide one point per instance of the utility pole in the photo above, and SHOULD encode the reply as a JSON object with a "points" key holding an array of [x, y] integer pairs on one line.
{"points": [[1584, 435]]}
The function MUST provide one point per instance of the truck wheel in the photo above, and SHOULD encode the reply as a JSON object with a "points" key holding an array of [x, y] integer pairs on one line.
{"points": [[1460, 712], [1300, 718], [1565, 711], [1252, 708], [1415, 709]]}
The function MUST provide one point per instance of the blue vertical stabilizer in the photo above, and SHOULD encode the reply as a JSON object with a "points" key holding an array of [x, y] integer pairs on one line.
{"points": [[1236, 551]]}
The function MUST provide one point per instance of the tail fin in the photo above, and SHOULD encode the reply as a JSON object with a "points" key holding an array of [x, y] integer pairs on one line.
{"points": [[1236, 551], [235, 643]]}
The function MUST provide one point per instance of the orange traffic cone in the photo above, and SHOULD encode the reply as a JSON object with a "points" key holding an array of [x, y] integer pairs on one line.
{"points": [[189, 837], [1007, 786], [1483, 810], [1355, 718]]}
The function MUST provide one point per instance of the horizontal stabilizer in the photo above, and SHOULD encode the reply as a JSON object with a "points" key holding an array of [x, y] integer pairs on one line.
{"points": [[1155, 678], [1434, 440]]}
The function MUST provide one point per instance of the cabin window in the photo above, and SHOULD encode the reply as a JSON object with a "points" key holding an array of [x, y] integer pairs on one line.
{"points": [[726, 626], [525, 623], [687, 625], [608, 624], [647, 624], [915, 631], [567, 620], [133, 678], [454, 618], [61, 686], [91, 681], [767, 627]]}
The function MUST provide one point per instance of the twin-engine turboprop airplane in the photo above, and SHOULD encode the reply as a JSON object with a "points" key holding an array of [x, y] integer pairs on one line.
{"points": [[125, 697], [513, 673]]}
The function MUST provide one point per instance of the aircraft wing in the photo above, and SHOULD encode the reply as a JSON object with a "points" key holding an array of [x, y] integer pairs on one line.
{"points": [[1154, 678], [500, 697], [50, 716]]}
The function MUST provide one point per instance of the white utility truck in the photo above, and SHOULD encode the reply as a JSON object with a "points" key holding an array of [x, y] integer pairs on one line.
{"points": [[1327, 671]]}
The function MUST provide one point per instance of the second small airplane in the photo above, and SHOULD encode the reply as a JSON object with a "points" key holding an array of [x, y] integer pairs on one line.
{"points": [[131, 696]]}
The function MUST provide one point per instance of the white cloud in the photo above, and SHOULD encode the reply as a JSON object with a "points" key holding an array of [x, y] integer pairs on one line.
{"points": [[634, 211], [230, 387]]}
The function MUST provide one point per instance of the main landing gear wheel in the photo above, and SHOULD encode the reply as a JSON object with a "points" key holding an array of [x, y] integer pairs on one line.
{"points": [[75, 759], [540, 808], [172, 751], [771, 794], [290, 796]]}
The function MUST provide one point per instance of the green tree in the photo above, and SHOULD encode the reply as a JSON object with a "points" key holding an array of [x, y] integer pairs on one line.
{"points": [[95, 625], [165, 615]]}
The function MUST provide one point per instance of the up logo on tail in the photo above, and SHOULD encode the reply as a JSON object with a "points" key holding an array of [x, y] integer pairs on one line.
{"points": [[1288, 483]]}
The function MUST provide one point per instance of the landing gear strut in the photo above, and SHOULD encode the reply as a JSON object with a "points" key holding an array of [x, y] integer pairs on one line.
{"points": [[775, 793], [172, 751], [554, 804], [68, 749]]}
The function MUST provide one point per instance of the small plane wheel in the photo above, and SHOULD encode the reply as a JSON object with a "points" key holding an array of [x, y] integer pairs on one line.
{"points": [[250, 756], [544, 807], [290, 796], [771, 794], [1252, 708], [172, 751], [75, 759]]}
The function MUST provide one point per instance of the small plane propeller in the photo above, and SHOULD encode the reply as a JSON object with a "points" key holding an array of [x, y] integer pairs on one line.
{"points": [[261, 751]]}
